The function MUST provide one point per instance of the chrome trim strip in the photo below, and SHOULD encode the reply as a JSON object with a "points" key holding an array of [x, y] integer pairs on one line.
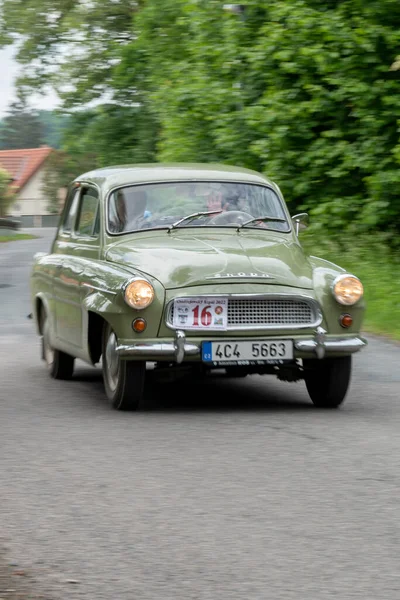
{"points": [[257, 296], [66, 301], [151, 350], [132, 279], [249, 276], [98, 289], [301, 297]]}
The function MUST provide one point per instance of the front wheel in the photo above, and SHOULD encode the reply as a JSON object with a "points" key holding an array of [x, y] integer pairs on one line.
{"points": [[123, 379], [328, 380]]}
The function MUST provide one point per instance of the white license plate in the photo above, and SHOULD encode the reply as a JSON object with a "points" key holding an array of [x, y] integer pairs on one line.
{"points": [[201, 313], [247, 352]]}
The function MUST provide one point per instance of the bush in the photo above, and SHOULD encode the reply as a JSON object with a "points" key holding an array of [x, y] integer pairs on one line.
{"points": [[370, 258]]}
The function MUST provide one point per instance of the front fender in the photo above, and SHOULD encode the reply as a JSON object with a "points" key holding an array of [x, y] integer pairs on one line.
{"points": [[102, 293], [324, 274], [41, 288], [42, 300]]}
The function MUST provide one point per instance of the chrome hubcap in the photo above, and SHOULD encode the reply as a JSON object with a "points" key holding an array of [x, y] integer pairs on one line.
{"points": [[112, 361]]}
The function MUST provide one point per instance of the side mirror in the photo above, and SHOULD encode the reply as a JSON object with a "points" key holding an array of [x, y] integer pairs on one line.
{"points": [[300, 222]]}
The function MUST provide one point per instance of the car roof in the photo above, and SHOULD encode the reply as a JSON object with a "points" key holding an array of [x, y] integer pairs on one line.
{"points": [[110, 177]]}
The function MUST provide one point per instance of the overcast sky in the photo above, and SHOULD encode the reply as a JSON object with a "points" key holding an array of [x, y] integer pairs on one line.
{"points": [[8, 73]]}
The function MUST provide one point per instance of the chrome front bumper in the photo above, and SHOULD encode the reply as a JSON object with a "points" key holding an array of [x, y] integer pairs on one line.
{"points": [[319, 345], [152, 350]]}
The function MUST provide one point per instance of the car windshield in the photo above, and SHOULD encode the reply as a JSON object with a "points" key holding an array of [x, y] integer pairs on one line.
{"points": [[163, 205]]}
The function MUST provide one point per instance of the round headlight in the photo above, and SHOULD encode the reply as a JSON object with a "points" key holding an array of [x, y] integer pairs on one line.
{"points": [[347, 289], [139, 294]]}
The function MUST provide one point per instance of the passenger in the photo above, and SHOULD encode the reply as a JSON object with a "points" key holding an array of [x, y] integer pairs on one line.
{"points": [[129, 211], [138, 203], [117, 222]]}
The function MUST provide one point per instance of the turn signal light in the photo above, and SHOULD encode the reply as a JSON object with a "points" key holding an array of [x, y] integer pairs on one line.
{"points": [[346, 320], [139, 325]]}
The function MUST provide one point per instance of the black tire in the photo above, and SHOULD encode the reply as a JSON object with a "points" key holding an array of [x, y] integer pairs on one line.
{"points": [[123, 379], [328, 380], [59, 364]]}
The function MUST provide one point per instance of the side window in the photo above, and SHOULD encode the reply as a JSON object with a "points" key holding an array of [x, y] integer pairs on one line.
{"points": [[88, 219], [71, 212]]}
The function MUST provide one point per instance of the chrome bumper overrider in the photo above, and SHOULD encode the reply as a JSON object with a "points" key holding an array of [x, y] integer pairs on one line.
{"points": [[321, 345], [318, 345]]}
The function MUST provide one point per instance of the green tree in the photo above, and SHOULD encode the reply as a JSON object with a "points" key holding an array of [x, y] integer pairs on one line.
{"points": [[327, 120], [67, 41], [61, 168], [7, 192], [94, 138], [54, 124], [21, 128], [114, 134], [305, 91]]}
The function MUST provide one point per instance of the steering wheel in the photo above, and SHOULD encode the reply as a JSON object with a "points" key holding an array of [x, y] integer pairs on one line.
{"points": [[231, 216]]}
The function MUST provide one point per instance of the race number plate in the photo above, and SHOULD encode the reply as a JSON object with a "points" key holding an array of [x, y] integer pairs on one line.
{"points": [[201, 313], [273, 352]]}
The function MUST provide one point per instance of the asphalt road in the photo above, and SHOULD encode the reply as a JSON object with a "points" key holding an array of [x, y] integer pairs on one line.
{"points": [[226, 490]]}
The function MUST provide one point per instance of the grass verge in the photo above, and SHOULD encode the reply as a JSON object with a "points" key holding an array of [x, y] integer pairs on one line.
{"points": [[16, 236], [377, 266]]}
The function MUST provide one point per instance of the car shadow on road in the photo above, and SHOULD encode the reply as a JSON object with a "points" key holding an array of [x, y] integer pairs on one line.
{"points": [[222, 395], [210, 394]]}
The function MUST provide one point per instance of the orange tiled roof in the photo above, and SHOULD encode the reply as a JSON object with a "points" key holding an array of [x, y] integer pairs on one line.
{"points": [[22, 164]]}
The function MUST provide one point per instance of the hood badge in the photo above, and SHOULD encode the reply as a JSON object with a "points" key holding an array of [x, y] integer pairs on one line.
{"points": [[240, 275]]}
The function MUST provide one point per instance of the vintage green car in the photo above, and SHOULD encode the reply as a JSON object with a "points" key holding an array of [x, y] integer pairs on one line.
{"points": [[191, 267]]}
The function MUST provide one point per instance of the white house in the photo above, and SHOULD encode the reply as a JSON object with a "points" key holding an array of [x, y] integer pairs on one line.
{"points": [[27, 168]]}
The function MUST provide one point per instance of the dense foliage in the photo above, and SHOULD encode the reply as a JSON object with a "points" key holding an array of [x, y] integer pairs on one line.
{"points": [[303, 90], [23, 127], [98, 137], [6, 191]]}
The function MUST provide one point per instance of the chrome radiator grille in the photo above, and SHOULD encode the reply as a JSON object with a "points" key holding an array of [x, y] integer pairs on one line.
{"points": [[269, 313]]}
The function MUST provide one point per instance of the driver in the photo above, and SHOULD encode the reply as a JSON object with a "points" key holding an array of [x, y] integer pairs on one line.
{"points": [[231, 202]]}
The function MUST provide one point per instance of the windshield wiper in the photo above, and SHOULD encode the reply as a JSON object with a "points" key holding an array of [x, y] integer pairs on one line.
{"points": [[193, 216], [266, 218]]}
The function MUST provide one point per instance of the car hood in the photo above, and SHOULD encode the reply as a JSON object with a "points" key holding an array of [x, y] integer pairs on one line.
{"points": [[181, 259]]}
